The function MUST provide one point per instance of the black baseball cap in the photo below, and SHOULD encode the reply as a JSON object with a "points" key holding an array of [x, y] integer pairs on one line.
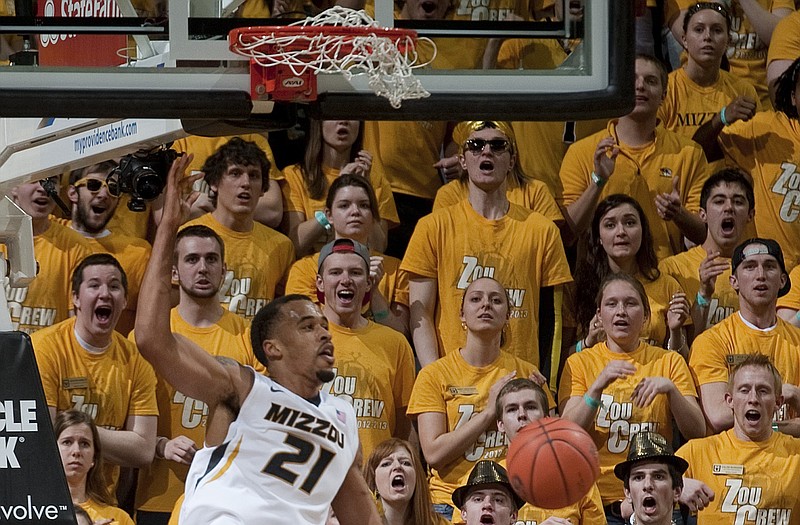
{"points": [[769, 247]]}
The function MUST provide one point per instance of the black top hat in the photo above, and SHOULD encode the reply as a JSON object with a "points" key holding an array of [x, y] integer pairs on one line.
{"points": [[771, 247], [486, 472], [649, 446]]}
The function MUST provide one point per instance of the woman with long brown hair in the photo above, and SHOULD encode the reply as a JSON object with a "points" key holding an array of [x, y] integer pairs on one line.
{"points": [[333, 148], [81, 455]]}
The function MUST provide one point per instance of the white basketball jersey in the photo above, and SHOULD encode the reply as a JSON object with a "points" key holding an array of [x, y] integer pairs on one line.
{"points": [[283, 461]]}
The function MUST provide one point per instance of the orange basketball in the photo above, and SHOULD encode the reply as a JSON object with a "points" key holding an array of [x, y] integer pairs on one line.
{"points": [[552, 463]]}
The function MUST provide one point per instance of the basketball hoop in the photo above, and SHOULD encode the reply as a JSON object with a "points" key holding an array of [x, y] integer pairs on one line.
{"points": [[284, 61]]}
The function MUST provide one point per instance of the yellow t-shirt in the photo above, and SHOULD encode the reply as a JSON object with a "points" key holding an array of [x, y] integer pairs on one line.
{"points": [[258, 262], [204, 147], [587, 511], [47, 300], [161, 484], [659, 294], [715, 351], [296, 197], [453, 387], [405, 152], [685, 268], [768, 148], [374, 372], [127, 222], [492, 10], [792, 299], [642, 173], [688, 105], [785, 41], [534, 195], [522, 250], [747, 53], [97, 511], [394, 285], [618, 418], [752, 482], [110, 386]]}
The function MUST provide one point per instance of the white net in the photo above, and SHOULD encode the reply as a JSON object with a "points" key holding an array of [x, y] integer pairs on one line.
{"points": [[388, 61]]}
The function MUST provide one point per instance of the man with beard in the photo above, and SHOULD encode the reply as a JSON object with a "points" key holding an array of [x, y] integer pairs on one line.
{"points": [[653, 479], [58, 251], [198, 267], [374, 363], [276, 448], [92, 209]]}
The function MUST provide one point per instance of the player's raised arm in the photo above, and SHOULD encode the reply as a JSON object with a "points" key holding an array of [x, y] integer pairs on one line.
{"points": [[180, 362]]}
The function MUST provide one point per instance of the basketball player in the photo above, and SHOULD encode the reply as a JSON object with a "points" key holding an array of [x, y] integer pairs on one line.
{"points": [[276, 448], [520, 402]]}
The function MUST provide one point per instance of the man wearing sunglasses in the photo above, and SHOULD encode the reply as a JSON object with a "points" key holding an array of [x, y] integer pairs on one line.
{"points": [[93, 206], [57, 249], [636, 156], [487, 236]]}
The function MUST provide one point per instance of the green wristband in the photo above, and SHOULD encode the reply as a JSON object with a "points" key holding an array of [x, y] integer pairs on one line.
{"points": [[702, 301], [591, 402]]}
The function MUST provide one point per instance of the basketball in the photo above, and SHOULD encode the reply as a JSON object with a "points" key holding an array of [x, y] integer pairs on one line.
{"points": [[552, 463]]}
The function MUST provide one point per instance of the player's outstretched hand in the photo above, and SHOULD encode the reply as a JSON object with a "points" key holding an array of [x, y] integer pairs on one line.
{"points": [[179, 194]]}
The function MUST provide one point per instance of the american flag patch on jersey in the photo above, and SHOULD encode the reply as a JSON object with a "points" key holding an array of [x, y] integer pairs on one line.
{"points": [[341, 416]]}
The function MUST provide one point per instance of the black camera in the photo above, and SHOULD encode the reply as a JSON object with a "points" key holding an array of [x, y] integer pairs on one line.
{"points": [[143, 175]]}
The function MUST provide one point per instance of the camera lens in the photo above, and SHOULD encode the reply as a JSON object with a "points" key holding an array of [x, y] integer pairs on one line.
{"points": [[147, 184]]}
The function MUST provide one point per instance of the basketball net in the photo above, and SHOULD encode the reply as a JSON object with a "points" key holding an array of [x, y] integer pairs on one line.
{"points": [[338, 40]]}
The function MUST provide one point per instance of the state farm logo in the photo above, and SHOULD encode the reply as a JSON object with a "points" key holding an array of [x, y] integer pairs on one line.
{"points": [[293, 82]]}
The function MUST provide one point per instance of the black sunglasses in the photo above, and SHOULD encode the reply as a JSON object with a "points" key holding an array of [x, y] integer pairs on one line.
{"points": [[496, 145]]}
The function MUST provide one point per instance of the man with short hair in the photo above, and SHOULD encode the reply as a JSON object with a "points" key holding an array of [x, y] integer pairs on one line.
{"points": [[750, 473], [374, 363], [487, 497], [652, 477], [276, 448], [58, 250], [258, 258], [87, 365], [93, 207], [519, 403], [637, 156], [727, 207], [198, 267], [758, 275]]}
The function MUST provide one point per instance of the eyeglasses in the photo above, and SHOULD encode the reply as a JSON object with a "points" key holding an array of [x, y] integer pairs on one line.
{"points": [[496, 145], [93, 185]]}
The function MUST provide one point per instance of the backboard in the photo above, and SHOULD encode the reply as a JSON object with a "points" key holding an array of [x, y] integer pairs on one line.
{"points": [[179, 66]]}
